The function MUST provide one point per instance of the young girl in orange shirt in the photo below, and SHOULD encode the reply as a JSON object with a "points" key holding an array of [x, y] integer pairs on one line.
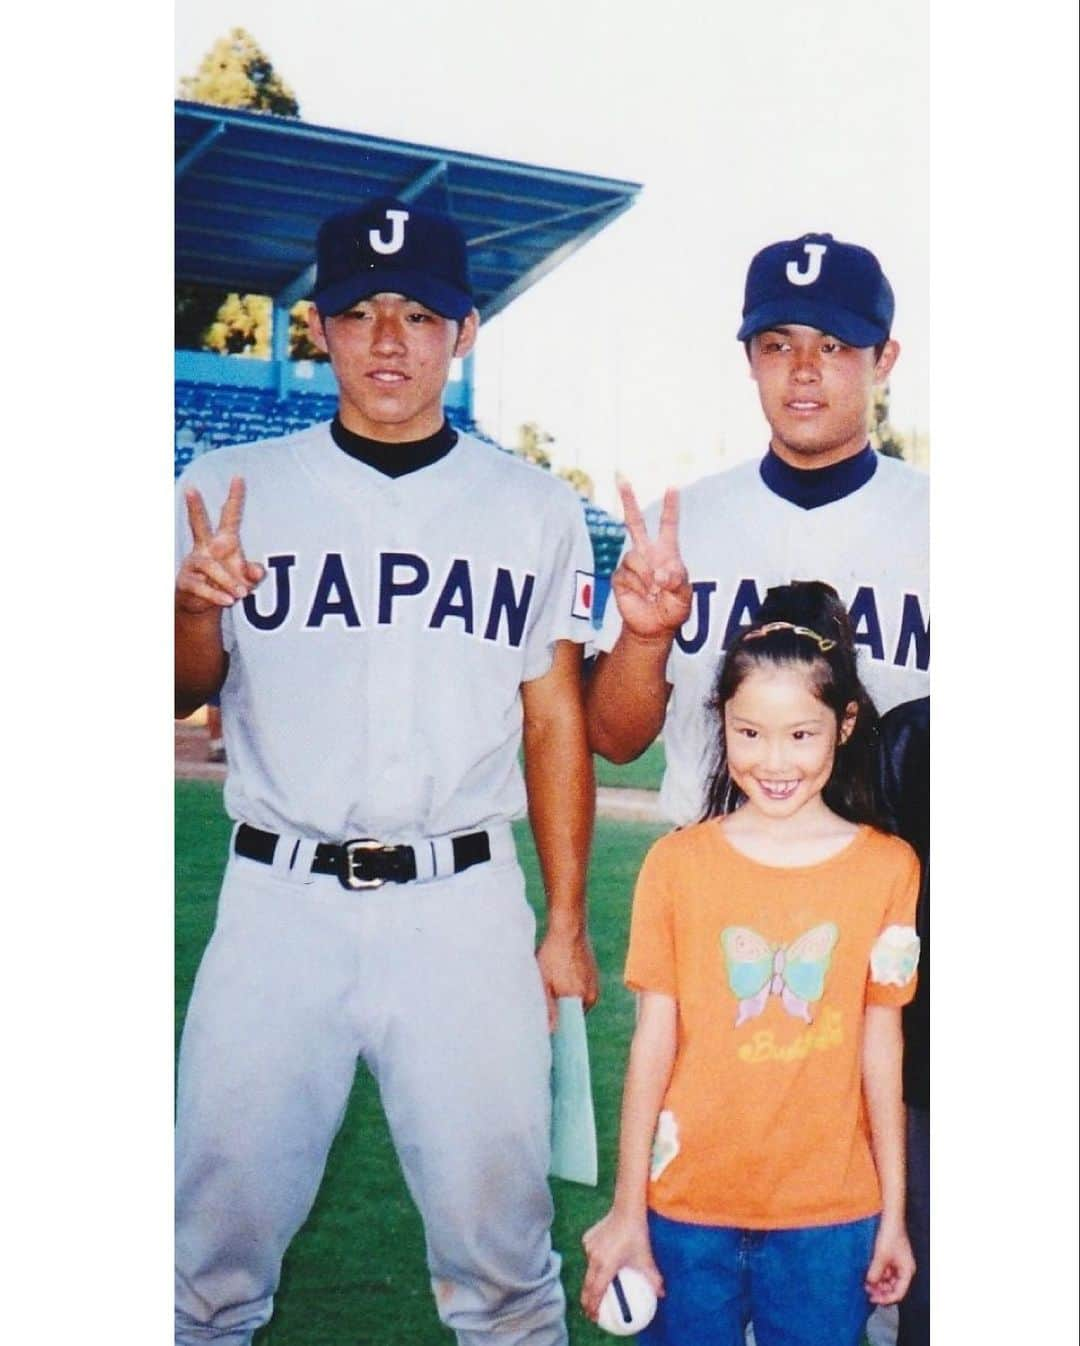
{"points": [[761, 1157]]}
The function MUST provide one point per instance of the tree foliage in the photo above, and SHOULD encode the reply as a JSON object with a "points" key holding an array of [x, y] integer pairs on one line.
{"points": [[883, 437], [195, 308], [301, 346], [532, 446], [241, 326], [579, 479], [236, 72]]}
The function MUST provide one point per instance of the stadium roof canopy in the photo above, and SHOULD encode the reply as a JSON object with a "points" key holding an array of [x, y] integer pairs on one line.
{"points": [[251, 190]]}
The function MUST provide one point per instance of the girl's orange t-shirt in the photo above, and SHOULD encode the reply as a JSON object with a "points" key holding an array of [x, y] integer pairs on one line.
{"points": [[763, 1125]]}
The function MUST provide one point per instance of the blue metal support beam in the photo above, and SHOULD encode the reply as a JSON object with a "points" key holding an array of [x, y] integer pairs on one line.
{"points": [[200, 147], [615, 204], [551, 261], [419, 185], [468, 379], [279, 345], [297, 288]]}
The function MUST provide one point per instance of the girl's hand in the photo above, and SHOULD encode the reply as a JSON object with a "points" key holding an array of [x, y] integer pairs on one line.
{"points": [[891, 1267], [615, 1242]]}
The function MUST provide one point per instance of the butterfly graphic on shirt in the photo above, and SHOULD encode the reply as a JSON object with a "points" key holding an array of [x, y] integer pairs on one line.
{"points": [[795, 972]]}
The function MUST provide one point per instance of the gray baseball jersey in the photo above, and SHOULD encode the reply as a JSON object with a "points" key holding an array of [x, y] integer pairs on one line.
{"points": [[374, 691], [738, 538], [373, 685]]}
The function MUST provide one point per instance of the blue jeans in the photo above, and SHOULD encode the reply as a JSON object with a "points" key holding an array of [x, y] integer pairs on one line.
{"points": [[799, 1287]]}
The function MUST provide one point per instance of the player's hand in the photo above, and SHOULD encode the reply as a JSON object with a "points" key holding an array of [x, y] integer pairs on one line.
{"points": [[215, 573], [612, 1243], [567, 968], [651, 586], [891, 1267]]}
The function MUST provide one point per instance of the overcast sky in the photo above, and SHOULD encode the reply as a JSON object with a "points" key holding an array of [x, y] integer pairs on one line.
{"points": [[745, 124]]}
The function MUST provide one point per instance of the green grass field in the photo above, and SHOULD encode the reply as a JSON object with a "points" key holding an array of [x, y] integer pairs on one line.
{"points": [[355, 1274], [642, 774]]}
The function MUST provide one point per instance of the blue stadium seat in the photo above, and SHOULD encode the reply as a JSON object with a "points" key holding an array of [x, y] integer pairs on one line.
{"points": [[210, 416]]}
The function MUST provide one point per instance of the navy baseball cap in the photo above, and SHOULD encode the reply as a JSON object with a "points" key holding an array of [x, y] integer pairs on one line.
{"points": [[392, 247], [815, 281]]}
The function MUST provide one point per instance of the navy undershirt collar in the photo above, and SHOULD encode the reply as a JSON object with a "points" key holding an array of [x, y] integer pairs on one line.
{"points": [[810, 488], [394, 460]]}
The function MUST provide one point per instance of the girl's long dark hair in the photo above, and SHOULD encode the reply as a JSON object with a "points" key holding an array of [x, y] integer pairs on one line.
{"points": [[833, 678]]}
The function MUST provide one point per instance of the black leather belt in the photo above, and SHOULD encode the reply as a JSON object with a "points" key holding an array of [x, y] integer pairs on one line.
{"points": [[362, 863]]}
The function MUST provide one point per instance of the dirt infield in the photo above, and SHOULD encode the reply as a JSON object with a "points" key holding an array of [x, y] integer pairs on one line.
{"points": [[189, 754], [191, 764]]}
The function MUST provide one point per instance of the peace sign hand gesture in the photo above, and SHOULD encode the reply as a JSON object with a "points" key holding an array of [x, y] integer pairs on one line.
{"points": [[215, 573], [651, 586]]}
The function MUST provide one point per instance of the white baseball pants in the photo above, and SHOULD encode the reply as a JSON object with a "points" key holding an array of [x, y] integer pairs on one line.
{"points": [[435, 986]]}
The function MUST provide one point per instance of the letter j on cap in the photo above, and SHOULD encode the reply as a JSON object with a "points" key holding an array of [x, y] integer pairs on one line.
{"points": [[814, 253], [396, 220]]}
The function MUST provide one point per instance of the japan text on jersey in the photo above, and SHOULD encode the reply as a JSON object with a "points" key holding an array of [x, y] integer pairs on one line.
{"points": [[894, 631], [407, 587]]}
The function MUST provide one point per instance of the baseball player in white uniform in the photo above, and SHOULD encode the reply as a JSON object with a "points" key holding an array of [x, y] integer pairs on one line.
{"points": [[389, 610], [821, 504]]}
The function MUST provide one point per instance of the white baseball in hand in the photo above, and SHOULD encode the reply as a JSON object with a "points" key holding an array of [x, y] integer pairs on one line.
{"points": [[628, 1304]]}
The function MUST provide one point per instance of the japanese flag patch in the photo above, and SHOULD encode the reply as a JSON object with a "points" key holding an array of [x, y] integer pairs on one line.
{"points": [[584, 586]]}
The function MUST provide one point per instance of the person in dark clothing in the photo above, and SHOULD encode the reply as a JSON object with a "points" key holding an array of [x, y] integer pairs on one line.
{"points": [[905, 788]]}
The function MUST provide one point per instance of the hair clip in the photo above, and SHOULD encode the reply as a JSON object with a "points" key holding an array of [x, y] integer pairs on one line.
{"points": [[823, 643]]}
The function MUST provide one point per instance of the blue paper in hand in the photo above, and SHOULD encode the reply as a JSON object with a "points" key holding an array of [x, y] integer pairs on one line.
{"points": [[573, 1125]]}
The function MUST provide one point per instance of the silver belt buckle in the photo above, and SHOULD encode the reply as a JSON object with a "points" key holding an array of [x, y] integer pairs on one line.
{"points": [[350, 878]]}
